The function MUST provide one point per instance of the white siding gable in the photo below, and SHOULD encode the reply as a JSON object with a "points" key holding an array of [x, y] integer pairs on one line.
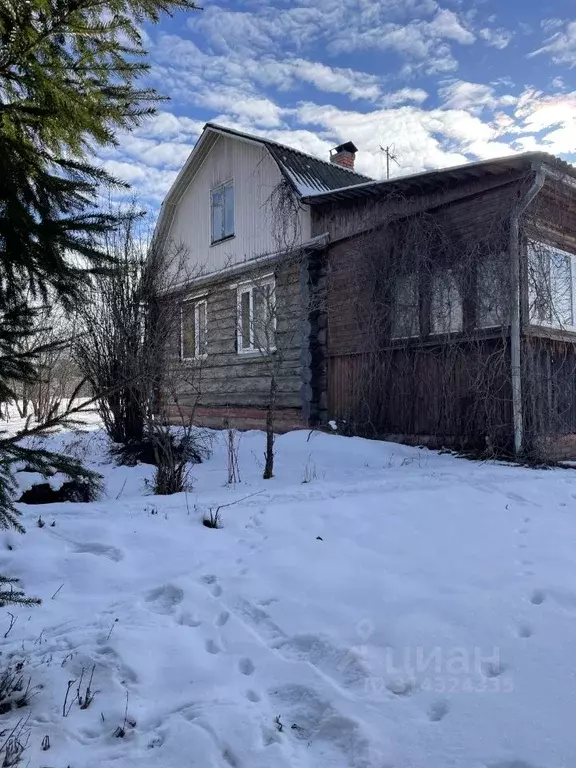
{"points": [[254, 175]]}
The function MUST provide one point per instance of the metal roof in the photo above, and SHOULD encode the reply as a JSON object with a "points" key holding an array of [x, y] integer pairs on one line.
{"points": [[308, 174], [424, 182]]}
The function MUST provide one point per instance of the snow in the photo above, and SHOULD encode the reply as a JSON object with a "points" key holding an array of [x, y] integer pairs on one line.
{"points": [[372, 606]]}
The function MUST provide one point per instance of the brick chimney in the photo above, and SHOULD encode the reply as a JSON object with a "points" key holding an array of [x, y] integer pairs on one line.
{"points": [[344, 155]]}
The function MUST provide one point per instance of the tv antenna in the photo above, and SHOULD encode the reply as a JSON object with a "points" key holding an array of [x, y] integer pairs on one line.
{"points": [[389, 152]]}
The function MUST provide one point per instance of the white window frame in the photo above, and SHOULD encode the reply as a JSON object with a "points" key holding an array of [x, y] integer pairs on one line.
{"points": [[215, 240], [554, 323], [198, 353], [249, 286]]}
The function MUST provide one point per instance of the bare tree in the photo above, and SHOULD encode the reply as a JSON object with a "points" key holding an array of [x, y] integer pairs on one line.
{"points": [[271, 317], [131, 341]]}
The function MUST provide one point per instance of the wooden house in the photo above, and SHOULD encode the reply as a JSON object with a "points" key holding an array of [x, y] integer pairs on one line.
{"points": [[437, 308]]}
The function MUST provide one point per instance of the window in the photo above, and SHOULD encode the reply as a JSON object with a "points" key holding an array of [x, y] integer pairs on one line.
{"points": [[551, 289], [257, 316], [193, 330], [222, 211], [446, 308], [405, 321], [493, 290]]}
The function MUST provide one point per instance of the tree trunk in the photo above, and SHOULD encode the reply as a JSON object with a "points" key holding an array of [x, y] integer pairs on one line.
{"points": [[270, 413]]}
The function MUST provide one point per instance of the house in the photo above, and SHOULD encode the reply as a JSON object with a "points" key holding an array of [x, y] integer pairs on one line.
{"points": [[436, 308], [235, 210]]}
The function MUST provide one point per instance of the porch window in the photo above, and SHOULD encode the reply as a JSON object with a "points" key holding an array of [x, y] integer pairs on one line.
{"points": [[446, 305], [493, 290], [222, 211], [256, 328], [193, 330], [405, 320], [551, 286]]}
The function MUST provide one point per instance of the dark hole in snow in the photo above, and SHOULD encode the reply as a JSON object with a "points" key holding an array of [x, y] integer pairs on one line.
{"points": [[144, 452], [71, 490]]}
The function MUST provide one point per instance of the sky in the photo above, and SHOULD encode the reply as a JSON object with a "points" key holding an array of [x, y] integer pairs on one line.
{"points": [[441, 81]]}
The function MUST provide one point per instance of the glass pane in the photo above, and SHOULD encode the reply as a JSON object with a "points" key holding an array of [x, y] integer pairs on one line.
{"points": [[217, 214], [188, 339], [228, 229], [561, 289], [446, 310], [245, 320], [539, 285], [406, 310], [201, 325], [492, 290]]}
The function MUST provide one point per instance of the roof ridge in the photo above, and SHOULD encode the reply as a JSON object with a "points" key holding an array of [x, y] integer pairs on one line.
{"points": [[264, 140]]}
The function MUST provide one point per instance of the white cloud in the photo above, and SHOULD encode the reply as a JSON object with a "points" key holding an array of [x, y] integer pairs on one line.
{"points": [[550, 117], [473, 97], [180, 62], [254, 110], [496, 38], [166, 125], [422, 43], [561, 46], [423, 139], [148, 183], [416, 95], [411, 27], [446, 24], [357, 85]]}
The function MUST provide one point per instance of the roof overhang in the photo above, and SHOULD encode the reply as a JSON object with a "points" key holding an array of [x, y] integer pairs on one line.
{"points": [[428, 181]]}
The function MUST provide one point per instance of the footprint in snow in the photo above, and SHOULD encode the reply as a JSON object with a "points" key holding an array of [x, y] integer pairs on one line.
{"points": [[524, 631], [246, 666], [100, 550], [438, 711], [210, 581], [188, 620], [211, 647], [253, 696], [537, 597], [401, 687], [222, 619], [164, 599], [494, 669]]}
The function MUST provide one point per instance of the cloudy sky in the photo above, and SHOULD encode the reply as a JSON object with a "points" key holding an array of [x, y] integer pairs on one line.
{"points": [[443, 81]]}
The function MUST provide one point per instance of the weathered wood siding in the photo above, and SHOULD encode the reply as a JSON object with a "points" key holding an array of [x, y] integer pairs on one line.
{"points": [[235, 387], [255, 176], [453, 388], [422, 394], [348, 217]]}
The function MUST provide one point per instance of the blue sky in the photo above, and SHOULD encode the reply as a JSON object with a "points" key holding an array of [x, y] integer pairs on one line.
{"points": [[444, 81]]}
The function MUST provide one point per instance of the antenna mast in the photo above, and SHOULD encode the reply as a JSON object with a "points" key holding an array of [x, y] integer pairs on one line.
{"points": [[389, 152]]}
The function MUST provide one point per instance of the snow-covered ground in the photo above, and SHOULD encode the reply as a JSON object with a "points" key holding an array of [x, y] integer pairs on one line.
{"points": [[399, 609]]}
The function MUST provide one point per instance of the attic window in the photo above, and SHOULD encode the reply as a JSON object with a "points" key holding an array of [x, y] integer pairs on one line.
{"points": [[222, 211]]}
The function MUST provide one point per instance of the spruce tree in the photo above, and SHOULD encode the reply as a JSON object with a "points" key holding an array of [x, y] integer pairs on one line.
{"points": [[69, 81]]}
